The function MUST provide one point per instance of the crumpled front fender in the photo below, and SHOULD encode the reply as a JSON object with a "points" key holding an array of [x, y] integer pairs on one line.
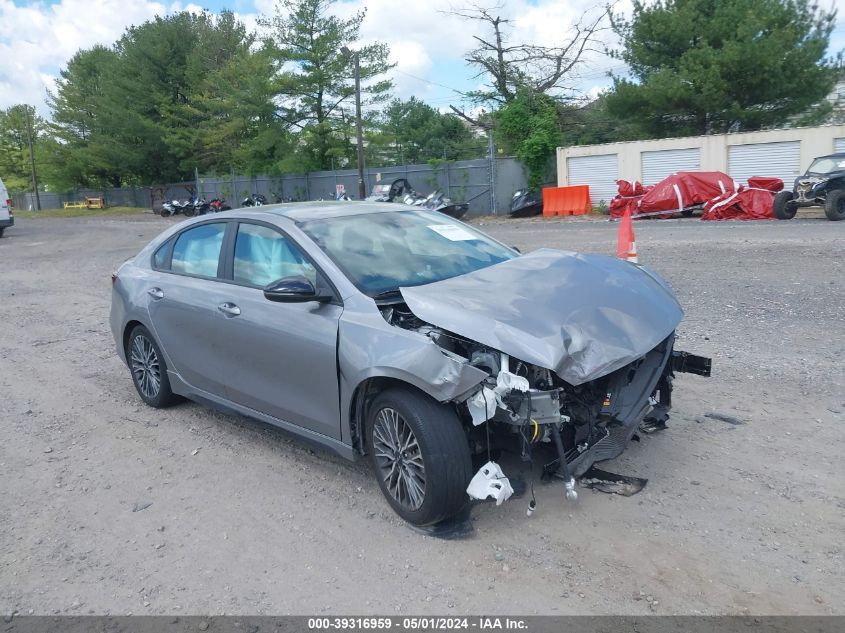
{"points": [[370, 348]]}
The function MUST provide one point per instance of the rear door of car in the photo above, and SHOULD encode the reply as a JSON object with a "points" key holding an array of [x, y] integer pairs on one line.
{"points": [[183, 295], [281, 358]]}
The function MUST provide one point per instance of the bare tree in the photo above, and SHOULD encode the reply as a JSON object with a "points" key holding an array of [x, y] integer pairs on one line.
{"points": [[509, 66]]}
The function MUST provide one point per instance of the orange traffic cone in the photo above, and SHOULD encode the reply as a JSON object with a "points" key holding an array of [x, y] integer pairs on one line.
{"points": [[626, 243]]}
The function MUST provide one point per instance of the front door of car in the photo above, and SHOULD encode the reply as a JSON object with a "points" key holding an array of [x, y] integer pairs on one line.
{"points": [[281, 358], [182, 297]]}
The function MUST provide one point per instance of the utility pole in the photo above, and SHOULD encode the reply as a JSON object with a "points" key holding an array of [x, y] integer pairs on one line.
{"points": [[492, 153], [32, 158], [359, 128]]}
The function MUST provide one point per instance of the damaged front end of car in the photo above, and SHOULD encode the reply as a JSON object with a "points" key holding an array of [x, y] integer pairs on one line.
{"points": [[577, 354]]}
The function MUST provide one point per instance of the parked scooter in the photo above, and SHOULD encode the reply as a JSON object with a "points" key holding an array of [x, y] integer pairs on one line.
{"points": [[255, 200]]}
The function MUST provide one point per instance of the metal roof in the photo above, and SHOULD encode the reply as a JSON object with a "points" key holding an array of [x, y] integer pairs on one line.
{"points": [[304, 211]]}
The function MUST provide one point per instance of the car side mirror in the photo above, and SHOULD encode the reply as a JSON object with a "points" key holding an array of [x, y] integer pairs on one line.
{"points": [[296, 289]]}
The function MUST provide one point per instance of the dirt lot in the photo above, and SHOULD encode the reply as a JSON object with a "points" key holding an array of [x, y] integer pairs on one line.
{"points": [[736, 518]]}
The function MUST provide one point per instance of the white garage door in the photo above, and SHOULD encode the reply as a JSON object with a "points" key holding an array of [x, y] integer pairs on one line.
{"points": [[600, 172], [781, 160], [658, 165], [839, 145]]}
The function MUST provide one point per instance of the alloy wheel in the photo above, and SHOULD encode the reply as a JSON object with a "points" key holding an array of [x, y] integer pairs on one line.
{"points": [[399, 458], [145, 366]]}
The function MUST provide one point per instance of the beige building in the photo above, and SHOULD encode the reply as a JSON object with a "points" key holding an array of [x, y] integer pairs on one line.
{"points": [[781, 153]]}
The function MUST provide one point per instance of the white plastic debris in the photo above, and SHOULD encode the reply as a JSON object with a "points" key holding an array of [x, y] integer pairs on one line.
{"points": [[507, 381], [482, 406], [490, 481]]}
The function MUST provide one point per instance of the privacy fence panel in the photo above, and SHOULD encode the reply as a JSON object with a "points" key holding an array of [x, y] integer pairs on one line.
{"points": [[486, 185], [464, 181]]}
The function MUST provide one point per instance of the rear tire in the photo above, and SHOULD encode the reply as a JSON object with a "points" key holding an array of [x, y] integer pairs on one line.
{"points": [[2, 230], [783, 207], [420, 455], [834, 205], [149, 371]]}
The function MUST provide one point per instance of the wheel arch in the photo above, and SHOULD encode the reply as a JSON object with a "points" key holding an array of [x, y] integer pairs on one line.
{"points": [[127, 330], [362, 397]]}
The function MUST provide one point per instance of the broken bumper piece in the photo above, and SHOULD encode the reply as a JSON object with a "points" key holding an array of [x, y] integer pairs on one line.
{"points": [[490, 483]]}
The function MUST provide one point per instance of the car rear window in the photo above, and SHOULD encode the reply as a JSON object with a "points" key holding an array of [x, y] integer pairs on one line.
{"points": [[197, 250]]}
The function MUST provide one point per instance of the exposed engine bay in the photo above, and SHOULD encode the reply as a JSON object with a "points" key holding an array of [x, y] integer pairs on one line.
{"points": [[521, 405]]}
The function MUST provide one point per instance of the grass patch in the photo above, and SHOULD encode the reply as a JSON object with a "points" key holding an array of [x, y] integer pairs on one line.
{"points": [[81, 212]]}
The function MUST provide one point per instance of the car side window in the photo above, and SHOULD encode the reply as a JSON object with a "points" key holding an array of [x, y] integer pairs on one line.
{"points": [[161, 255], [263, 255], [197, 250]]}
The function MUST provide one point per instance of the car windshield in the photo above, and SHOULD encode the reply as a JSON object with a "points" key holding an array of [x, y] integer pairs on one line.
{"points": [[381, 252], [827, 165]]}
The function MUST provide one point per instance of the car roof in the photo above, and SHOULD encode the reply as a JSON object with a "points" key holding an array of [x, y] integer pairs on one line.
{"points": [[304, 211], [836, 155]]}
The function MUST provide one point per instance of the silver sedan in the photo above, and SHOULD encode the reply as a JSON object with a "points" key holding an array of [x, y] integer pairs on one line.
{"points": [[405, 336]]}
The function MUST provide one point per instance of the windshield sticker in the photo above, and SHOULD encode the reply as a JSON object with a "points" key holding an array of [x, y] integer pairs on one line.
{"points": [[452, 232]]}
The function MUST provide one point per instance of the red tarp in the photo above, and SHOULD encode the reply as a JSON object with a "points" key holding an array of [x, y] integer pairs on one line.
{"points": [[752, 202], [671, 195], [685, 189], [629, 196]]}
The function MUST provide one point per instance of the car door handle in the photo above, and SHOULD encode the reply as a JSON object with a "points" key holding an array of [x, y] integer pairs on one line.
{"points": [[155, 293], [229, 309]]}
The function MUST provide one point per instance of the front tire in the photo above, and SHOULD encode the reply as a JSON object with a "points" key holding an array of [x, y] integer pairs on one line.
{"points": [[420, 455], [834, 205], [783, 207], [149, 371]]}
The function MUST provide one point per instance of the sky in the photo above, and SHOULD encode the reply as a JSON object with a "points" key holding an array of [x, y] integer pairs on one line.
{"points": [[37, 38]]}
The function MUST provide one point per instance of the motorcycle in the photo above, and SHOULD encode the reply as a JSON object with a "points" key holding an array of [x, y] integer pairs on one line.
{"points": [[437, 201], [201, 207], [173, 207], [255, 200], [216, 205]]}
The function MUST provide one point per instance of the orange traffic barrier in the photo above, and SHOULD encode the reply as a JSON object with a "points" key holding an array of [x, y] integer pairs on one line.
{"points": [[573, 200]]}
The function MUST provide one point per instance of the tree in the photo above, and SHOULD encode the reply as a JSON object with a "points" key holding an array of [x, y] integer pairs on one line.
{"points": [[414, 132], [15, 164], [173, 94], [529, 127], [71, 154], [712, 66], [508, 67], [315, 85]]}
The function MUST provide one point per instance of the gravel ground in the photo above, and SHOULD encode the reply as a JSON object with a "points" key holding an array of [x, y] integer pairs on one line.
{"points": [[111, 507]]}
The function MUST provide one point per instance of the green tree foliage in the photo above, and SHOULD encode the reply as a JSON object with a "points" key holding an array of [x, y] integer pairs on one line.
{"points": [[315, 82], [74, 155], [174, 94], [711, 66], [529, 128], [414, 132], [14, 145]]}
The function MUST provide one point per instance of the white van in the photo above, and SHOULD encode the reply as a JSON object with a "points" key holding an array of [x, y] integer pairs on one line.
{"points": [[6, 217]]}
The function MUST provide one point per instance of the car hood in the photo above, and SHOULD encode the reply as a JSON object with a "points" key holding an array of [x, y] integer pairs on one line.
{"points": [[581, 316]]}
